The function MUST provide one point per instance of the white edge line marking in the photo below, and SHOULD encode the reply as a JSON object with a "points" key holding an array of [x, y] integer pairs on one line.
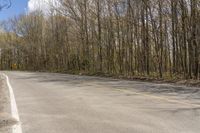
{"points": [[14, 111]]}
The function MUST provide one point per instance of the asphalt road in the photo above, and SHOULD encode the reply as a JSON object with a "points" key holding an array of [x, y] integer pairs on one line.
{"points": [[59, 103]]}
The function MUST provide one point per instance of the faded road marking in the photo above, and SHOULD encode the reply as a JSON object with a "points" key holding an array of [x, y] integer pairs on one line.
{"points": [[16, 128], [160, 98]]}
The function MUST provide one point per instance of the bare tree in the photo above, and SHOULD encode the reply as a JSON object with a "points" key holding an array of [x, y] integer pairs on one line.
{"points": [[140, 38], [5, 4]]}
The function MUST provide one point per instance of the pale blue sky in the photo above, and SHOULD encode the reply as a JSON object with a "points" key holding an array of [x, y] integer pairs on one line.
{"points": [[17, 7]]}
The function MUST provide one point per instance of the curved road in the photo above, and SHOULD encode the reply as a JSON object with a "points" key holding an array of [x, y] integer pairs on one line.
{"points": [[60, 103]]}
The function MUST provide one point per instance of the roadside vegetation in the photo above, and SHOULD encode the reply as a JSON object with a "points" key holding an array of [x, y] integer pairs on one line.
{"points": [[145, 39]]}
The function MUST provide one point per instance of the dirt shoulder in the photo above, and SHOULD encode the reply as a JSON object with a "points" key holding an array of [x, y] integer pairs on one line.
{"points": [[174, 81], [5, 118], [189, 82]]}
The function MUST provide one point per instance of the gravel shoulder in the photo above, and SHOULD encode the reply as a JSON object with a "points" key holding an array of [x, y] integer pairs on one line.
{"points": [[6, 121]]}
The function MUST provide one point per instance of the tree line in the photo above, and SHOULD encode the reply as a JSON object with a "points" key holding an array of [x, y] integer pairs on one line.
{"points": [[129, 38]]}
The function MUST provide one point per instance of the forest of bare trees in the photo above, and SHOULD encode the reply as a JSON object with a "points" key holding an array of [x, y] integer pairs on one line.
{"points": [[129, 38]]}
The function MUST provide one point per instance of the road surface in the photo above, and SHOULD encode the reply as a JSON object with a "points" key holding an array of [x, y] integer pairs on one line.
{"points": [[60, 103]]}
